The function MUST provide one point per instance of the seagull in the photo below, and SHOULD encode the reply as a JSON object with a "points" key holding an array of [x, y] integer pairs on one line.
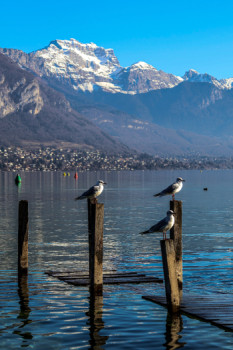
{"points": [[94, 191], [163, 225], [172, 189]]}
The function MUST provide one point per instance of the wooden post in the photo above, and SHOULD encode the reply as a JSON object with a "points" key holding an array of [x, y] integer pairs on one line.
{"points": [[23, 237], [176, 236], [95, 229], [170, 277]]}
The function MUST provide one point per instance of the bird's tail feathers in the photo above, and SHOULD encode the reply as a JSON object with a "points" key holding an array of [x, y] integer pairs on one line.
{"points": [[157, 195], [144, 232], [78, 198]]}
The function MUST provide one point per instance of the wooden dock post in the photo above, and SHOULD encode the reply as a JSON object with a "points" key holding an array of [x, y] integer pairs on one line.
{"points": [[95, 230], [172, 260], [23, 237], [170, 276], [176, 236]]}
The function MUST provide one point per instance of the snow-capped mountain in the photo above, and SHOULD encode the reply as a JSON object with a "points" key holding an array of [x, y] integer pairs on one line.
{"points": [[142, 77], [87, 67], [33, 114], [181, 116], [193, 76]]}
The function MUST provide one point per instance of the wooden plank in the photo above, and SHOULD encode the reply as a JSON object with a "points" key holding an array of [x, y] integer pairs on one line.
{"points": [[104, 277], [109, 278], [106, 281], [85, 282], [80, 273], [216, 309]]}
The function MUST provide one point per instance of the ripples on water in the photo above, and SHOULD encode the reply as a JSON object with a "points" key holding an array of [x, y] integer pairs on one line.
{"points": [[43, 312]]}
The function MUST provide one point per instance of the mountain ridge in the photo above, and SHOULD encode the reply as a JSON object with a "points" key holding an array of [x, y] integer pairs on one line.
{"points": [[32, 112], [146, 110], [88, 67]]}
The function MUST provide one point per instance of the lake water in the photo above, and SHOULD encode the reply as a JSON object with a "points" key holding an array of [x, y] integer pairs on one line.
{"points": [[49, 314]]}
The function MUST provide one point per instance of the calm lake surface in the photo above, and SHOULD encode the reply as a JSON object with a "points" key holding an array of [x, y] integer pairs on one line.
{"points": [[50, 314]]}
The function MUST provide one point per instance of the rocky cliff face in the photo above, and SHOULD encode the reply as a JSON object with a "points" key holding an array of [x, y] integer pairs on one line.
{"points": [[18, 94], [21, 97], [32, 113]]}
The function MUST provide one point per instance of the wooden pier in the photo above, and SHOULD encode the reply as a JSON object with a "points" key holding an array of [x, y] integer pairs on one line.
{"points": [[96, 277], [79, 278], [216, 309]]}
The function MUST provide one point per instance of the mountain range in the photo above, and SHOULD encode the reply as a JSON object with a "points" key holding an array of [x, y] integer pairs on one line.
{"points": [[79, 94], [32, 114]]}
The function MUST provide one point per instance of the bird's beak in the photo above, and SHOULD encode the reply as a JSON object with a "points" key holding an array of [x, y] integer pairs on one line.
{"points": [[183, 180], [105, 183]]}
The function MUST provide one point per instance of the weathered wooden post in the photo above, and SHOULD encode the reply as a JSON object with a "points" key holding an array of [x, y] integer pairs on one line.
{"points": [[172, 260], [170, 277], [176, 236], [95, 230], [23, 237]]}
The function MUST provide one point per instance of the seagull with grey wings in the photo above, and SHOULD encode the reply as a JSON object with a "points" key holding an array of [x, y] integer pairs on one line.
{"points": [[163, 225], [93, 191], [172, 189]]}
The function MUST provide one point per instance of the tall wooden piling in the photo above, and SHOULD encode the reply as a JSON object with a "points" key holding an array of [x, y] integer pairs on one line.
{"points": [[170, 276], [176, 236], [95, 230], [172, 260], [23, 237]]}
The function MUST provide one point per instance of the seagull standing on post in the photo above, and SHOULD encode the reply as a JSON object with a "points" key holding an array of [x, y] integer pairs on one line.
{"points": [[93, 191], [172, 189], [163, 225]]}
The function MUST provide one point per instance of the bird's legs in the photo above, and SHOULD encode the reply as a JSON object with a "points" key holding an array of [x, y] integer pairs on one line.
{"points": [[173, 197], [164, 235]]}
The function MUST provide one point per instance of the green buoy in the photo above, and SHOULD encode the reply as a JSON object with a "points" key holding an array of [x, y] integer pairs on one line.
{"points": [[18, 179]]}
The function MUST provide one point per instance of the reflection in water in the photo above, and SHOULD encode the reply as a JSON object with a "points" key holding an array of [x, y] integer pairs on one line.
{"points": [[25, 310], [174, 326], [18, 185], [96, 322]]}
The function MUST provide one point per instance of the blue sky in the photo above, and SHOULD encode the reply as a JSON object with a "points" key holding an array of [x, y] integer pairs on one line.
{"points": [[171, 35]]}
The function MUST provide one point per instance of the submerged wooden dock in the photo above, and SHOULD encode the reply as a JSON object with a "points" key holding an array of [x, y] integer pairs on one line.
{"points": [[78, 278], [216, 309]]}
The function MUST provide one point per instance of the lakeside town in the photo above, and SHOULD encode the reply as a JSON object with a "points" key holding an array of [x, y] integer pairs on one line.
{"points": [[52, 159]]}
